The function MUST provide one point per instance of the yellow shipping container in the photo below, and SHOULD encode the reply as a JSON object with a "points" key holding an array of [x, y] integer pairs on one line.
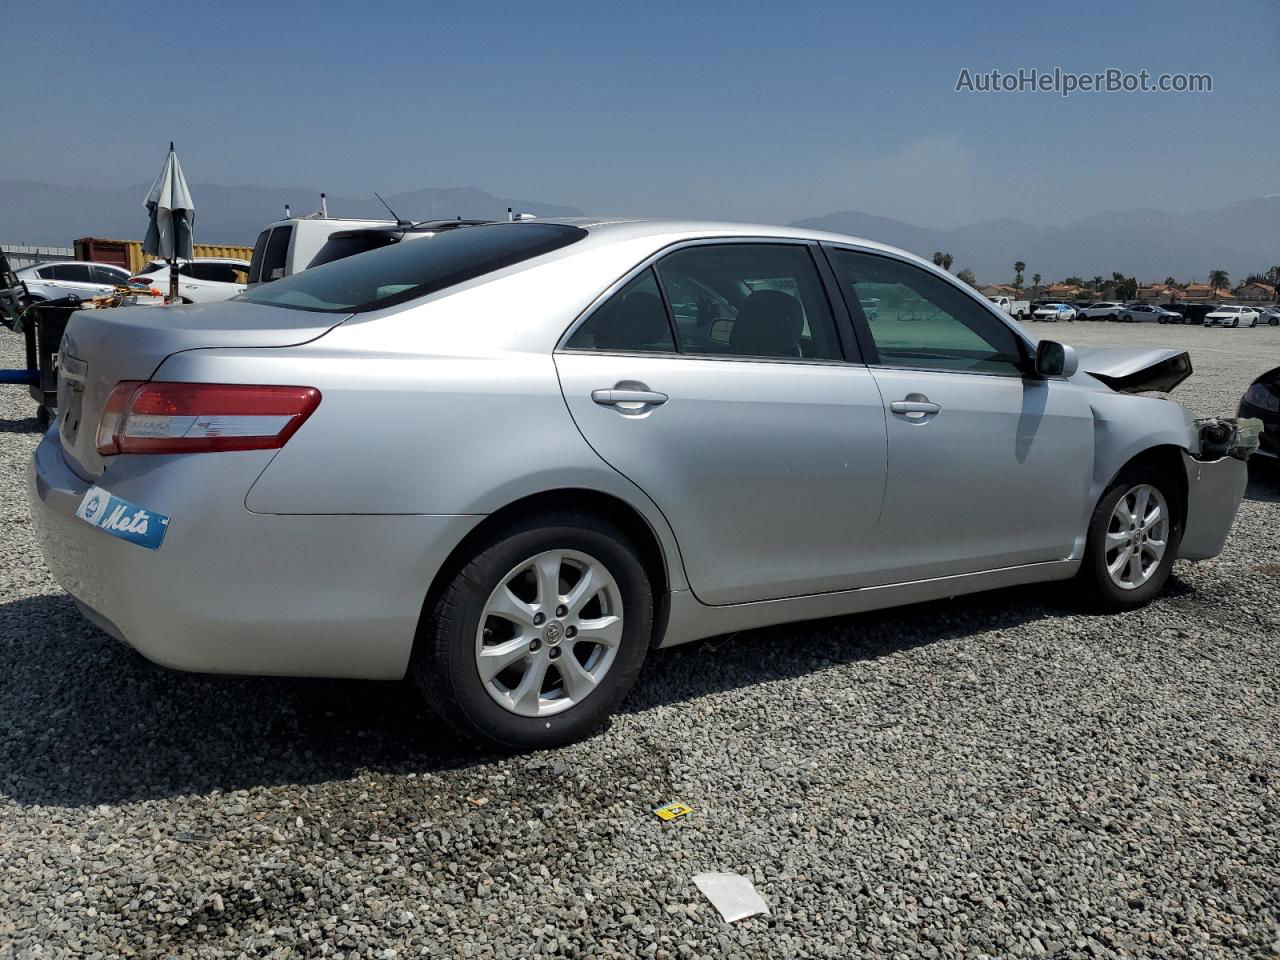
{"points": [[128, 253], [138, 259]]}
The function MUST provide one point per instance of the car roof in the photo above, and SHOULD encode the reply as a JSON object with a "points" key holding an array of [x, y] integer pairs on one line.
{"points": [[616, 229]]}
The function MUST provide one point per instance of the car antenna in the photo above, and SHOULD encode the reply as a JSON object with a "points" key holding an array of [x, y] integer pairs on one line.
{"points": [[399, 222]]}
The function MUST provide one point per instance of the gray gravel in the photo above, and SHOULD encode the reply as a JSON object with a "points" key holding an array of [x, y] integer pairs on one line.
{"points": [[995, 776]]}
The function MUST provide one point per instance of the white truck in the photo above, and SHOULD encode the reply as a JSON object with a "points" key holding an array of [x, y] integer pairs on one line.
{"points": [[1018, 309]]}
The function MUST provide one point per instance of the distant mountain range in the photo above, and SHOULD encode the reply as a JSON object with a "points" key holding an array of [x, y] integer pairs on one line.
{"points": [[45, 213], [1242, 238]]}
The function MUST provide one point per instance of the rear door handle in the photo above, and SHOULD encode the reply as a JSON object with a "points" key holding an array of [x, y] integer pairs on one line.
{"points": [[916, 406], [610, 398]]}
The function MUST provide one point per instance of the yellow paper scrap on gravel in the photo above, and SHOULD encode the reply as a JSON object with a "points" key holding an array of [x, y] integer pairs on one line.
{"points": [[672, 810]]}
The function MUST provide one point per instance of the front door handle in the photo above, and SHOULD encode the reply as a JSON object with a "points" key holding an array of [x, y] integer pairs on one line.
{"points": [[916, 406], [610, 398]]}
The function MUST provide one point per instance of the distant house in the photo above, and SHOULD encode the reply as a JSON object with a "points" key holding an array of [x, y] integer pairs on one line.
{"points": [[1154, 292], [999, 290], [1255, 293], [1063, 291], [1201, 293]]}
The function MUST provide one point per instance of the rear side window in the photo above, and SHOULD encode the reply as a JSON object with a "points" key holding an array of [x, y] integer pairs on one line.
{"points": [[633, 320], [218, 272], [255, 260], [749, 300], [407, 271]]}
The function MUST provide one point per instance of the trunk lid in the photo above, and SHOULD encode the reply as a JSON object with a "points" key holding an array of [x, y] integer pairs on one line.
{"points": [[103, 347]]}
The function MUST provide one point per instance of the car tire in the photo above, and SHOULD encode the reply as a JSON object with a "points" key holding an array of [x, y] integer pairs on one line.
{"points": [[1103, 588], [1235, 322], [458, 625]]}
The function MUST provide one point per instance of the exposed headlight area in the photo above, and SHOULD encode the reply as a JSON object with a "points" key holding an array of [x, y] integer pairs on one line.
{"points": [[1264, 396]]}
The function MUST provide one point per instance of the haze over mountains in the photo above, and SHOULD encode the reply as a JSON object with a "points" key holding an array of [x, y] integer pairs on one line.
{"points": [[1241, 238]]}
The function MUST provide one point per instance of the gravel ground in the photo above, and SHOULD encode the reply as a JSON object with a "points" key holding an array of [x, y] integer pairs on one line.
{"points": [[994, 776]]}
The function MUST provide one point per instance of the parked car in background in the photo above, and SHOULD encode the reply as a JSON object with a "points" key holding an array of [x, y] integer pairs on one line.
{"points": [[201, 280], [1102, 310], [1192, 313], [288, 246], [496, 442], [1262, 400], [1018, 309], [52, 281], [1054, 312], [1148, 313], [1270, 316], [1231, 315]]}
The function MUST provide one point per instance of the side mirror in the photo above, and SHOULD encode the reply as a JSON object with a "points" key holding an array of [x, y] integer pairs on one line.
{"points": [[1055, 359]]}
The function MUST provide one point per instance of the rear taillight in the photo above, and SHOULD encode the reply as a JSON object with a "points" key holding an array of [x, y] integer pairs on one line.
{"points": [[148, 417], [140, 281]]}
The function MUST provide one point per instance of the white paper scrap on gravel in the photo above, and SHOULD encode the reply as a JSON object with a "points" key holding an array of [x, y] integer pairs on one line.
{"points": [[733, 895]]}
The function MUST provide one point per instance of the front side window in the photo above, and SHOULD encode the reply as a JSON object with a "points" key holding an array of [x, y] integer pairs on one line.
{"points": [[633, 320], [408, 271], [922, 321], [749, 300]]}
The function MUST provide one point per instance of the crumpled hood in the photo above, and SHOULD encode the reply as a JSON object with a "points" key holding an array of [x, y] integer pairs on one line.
{"points": [[1136, 369]]}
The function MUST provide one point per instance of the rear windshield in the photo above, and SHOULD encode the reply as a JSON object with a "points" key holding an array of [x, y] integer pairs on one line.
{"points": [[406, 271]]}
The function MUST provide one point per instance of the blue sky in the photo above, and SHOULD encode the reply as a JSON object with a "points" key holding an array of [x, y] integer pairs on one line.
{"points": [[744, 110]]}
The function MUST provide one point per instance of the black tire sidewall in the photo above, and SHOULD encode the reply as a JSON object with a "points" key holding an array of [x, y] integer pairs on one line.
{"points": [[1093, 570], [446, 670]]}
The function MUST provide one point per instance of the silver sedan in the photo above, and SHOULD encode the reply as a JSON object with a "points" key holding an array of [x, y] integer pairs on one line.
{"points": [[508, 461]]}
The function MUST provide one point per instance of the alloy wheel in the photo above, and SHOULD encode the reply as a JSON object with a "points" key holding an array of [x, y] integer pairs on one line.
{"points": [[549, 633], [1137, 536]]}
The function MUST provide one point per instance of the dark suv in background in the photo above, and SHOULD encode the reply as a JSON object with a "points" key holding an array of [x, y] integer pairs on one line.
{"points": [[1192, 312]]}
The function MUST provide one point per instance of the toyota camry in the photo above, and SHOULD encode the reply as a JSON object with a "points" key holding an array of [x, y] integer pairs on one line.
{"points": [[508, 461]]}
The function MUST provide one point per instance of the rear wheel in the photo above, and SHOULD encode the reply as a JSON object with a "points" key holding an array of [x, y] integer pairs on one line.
{"points": [[539, 636], [1133, 539]]}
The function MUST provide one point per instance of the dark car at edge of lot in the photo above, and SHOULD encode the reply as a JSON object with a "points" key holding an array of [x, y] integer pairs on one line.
{"points": [[1262, 400]]}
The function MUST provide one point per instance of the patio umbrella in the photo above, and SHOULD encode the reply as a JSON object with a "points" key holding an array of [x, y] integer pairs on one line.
{"points": [[171, 213]]}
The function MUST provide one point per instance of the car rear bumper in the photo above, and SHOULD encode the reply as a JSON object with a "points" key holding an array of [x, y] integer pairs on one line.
{"points": [[230, 591], [1214, 491]]}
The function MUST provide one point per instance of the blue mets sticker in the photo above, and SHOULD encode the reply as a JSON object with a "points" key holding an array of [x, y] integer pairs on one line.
{"points": [[122, 519]]}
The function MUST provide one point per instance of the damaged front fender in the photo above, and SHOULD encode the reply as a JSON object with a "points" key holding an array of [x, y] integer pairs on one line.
{"points": [[1216, 478]]}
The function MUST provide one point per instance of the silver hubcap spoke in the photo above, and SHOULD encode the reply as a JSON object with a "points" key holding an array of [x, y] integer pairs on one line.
{"points": [[549, 633], [1136, 536]]}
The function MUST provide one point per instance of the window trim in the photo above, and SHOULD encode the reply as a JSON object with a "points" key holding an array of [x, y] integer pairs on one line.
{"points": [[848, 357], [866, 341]]}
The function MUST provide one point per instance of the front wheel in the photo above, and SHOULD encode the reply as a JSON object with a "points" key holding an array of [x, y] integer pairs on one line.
{"points": [[1133, 539], [539, 636], [1235, 322]]}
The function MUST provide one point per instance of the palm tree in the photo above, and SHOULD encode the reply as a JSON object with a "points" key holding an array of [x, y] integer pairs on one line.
{"points": [[1018, 267], [1097, 284], [1170, 281], [1035, 282], [937, 258], [1218, 279], [947, 260]]}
